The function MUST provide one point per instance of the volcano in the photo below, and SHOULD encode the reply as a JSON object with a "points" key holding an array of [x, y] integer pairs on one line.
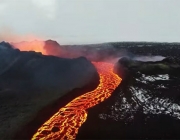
{"points": [[95, 102], [69, 118]]}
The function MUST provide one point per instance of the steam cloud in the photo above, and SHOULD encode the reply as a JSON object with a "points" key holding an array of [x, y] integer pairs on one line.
{"points": [[149, 58]]}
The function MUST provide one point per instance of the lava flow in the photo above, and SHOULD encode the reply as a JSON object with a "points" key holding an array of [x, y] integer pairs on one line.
{"points": [[66, 122]]}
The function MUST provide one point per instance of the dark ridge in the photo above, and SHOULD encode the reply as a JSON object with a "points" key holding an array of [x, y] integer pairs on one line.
{"points": [[31, 128], [31, 82]]}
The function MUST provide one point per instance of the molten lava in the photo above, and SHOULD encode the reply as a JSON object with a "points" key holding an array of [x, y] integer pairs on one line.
{"points": [[67, 121]]}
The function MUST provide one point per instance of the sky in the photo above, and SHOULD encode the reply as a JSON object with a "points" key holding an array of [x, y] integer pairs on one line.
{"points": [[90, 21]]}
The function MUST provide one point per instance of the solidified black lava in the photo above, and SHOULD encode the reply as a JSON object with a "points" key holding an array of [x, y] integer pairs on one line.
{"points": [[146, 105]]}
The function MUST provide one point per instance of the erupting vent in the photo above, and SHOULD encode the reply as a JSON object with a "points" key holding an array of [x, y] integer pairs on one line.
{"points": [[65, 123]]}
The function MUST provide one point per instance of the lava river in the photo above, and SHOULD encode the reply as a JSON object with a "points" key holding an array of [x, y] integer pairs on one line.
{"points": [[66, 122]]}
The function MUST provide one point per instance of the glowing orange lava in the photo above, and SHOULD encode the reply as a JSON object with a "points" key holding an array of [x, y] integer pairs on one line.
{"points": [[67, 121], [37, 46]]}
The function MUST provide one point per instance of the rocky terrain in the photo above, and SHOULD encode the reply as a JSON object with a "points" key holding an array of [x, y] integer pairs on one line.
{"points": [[31, 83], [146, 105]]}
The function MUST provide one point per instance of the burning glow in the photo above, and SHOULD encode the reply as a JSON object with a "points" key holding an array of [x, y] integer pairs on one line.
{"points": [[37, 46], [67, 121]]}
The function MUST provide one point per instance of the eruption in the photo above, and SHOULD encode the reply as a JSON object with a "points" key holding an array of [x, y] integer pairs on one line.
{"points": [[48, 47], [37, 46], [66, 122]]}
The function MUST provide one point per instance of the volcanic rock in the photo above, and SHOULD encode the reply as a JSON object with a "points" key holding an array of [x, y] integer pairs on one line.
{"points": [[53, 48], [166, 66], [146, 105], [30, 82]]}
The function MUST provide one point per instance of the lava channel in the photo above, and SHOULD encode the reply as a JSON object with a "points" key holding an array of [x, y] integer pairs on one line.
{"points": [[67, 121]]}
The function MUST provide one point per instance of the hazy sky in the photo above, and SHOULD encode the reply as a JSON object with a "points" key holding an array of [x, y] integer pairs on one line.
{"points": [[91, 21]]}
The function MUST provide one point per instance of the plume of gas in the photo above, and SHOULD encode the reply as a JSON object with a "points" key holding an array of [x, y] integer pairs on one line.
{"points": [[37, 46]]}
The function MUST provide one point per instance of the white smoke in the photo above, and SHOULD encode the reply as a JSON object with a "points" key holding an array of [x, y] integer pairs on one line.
{"points": [[149, 58]]}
